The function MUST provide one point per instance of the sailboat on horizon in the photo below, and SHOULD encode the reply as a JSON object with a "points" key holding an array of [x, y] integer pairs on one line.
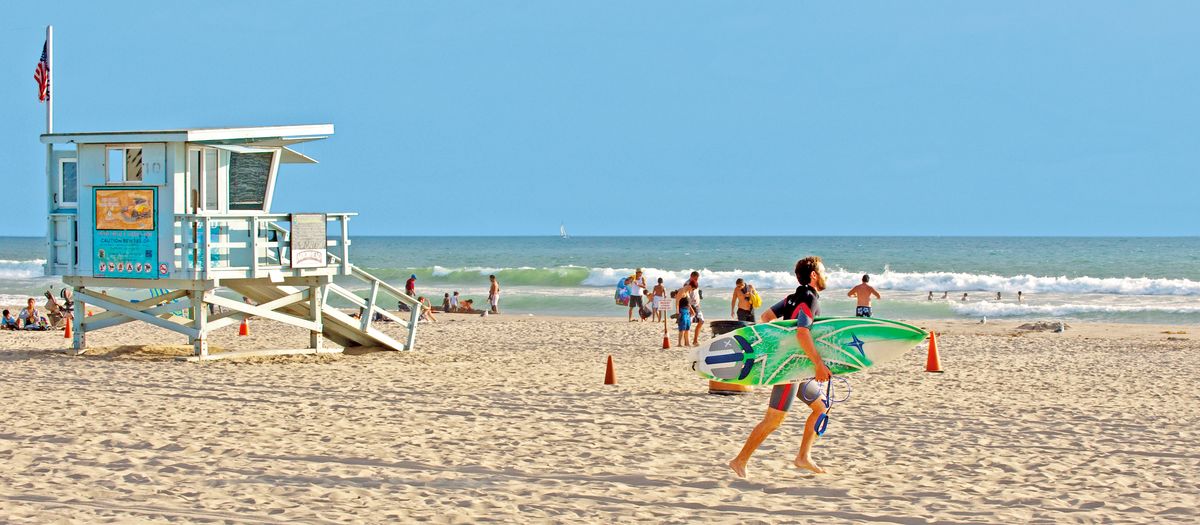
{"points": [[562, 231]]}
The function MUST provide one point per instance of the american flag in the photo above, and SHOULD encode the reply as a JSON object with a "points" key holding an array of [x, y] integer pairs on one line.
{"points": [[42, 75]]}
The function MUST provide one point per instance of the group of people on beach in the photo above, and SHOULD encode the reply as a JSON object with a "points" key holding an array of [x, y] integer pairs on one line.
{"points": [[31, 317], [452, 303], [801, 306], [689, 318], [686, 300]]}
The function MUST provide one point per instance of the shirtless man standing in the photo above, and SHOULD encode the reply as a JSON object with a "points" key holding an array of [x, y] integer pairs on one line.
{"points": [[740, 307], [494, 294], [863, 293]]}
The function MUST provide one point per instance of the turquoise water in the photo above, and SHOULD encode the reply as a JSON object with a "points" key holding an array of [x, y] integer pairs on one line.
{"points": [[1106, 279]]}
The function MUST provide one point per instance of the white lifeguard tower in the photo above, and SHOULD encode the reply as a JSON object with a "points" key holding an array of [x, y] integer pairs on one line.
{"points": [[186, 216]]}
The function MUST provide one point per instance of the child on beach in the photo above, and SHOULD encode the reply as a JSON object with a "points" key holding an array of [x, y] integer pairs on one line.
{"points": [[9, 322], [685, 318], [659, 295]]}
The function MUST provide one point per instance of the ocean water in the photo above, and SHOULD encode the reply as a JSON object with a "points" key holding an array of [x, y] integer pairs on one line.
{"points": [[1124, 279]]}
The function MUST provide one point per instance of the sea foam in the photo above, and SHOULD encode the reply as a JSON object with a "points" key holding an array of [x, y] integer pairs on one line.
{"points": [[23, 270], [937, 282], [993, 309]]}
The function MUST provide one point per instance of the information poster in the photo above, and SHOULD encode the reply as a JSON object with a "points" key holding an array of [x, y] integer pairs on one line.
{"points": [[125, 241], [309, 248]]}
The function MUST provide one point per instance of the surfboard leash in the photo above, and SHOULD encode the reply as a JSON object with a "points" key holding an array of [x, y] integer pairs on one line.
{"points": [[822, 423]]}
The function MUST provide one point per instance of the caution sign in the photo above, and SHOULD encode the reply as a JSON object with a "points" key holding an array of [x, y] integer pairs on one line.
{"points": [[308, 242], [125, 237]]}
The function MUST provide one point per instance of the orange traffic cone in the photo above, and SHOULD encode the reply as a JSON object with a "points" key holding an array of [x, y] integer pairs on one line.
{"points": [[666, 339], [932, 363], [610, 377], [244, 329], [67, 330]]}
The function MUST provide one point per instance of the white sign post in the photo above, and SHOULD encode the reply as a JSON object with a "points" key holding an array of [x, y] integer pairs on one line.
{"points": [[664, 306]]}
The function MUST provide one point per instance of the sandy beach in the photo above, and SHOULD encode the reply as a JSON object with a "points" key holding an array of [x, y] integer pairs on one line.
{"points": [[506, 419]]}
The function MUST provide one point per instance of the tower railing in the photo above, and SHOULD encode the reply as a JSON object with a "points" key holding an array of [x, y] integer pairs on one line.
{"points": [[249, 246]]}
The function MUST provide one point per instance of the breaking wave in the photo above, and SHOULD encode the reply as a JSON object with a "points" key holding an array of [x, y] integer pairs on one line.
{"points": [[23, 270], [568, 276], [991, 309]]}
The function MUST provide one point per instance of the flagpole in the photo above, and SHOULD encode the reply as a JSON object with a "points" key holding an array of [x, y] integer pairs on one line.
{"points": [[50, 172], [50, 89]]}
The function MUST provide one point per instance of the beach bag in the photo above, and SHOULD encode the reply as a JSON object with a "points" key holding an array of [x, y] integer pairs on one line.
{"points": [[755, 300], [622, 294], [645, 311]]}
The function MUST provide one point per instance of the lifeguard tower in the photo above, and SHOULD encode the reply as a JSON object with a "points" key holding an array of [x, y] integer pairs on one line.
{"points": [[184, 218]]}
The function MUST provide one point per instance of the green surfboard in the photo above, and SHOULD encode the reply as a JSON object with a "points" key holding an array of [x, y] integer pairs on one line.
{"points": [[769, 354]]}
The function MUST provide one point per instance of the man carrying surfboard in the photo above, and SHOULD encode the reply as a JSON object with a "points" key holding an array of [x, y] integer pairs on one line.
{"points": [[801, 306]]}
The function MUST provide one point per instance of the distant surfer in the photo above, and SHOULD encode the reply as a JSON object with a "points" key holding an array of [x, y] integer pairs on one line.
{"points": [[930, 298], [945, 295], [494, 294], [801, 306], [740, 307], [863, 292], [964, 299], [997, 296], [1019, 298]]}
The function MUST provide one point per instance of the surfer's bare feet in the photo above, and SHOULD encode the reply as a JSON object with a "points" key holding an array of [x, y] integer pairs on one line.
{"points": [[807, 464], [738, 468]]}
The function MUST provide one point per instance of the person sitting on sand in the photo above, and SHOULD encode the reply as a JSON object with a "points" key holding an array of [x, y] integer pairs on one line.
{"points": [[801, 306], [8, 322], [31, 318], [426, 309], [468, 306]]}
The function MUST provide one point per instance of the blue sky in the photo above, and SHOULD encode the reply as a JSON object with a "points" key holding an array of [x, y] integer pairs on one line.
{"points": [[677, 118]]}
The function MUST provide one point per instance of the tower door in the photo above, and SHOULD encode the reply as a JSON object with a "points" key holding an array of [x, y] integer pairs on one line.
{"points": [[206, 189]]}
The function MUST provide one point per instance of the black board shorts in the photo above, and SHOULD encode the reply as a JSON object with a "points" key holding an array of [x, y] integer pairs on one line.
{"points": [[745, 315], [635, 301], [862, 311]]}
